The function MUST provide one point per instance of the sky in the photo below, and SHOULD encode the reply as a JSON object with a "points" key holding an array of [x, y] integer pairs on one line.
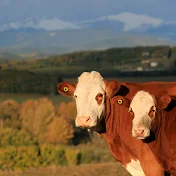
{"points": [[68, 13]]}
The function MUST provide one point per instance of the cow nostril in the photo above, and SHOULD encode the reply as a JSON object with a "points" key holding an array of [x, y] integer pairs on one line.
{"points": [[88, 119]]}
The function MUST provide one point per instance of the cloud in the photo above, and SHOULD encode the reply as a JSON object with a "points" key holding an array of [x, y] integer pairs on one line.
{"points": [[131, 21], [44, 23]]}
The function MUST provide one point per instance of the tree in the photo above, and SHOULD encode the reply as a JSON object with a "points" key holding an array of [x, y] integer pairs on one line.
{"points": [[35, 115], [67, 110], [9, 114], [60, 130]]}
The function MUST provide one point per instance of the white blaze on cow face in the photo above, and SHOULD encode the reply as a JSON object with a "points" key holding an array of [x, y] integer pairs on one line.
{"points": [[143, 108], [90, 97]]}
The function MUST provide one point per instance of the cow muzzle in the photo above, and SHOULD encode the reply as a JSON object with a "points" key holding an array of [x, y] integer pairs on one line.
{"points": [[140, 132], [83, 122]]}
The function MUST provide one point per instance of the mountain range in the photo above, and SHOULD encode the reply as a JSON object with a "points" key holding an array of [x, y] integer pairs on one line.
{"points": [[54, 36]]}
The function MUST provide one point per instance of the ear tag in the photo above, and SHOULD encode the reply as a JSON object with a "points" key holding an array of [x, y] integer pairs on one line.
{"points": [[120, 101], [65, 89]]}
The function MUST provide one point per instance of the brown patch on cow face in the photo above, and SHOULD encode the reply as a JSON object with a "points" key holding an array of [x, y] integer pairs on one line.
{"points": [[99, 98], [152, 112]]}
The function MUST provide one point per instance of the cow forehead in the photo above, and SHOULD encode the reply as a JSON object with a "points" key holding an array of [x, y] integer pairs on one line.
{"points": [[90, 82], [142, 102]]}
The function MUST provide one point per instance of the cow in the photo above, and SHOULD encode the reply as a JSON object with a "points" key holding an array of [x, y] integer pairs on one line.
{"points": [[100, 109], [154, 117]]}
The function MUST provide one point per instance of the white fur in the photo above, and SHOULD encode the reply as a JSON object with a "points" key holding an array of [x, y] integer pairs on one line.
{"points": [[134, 168], [89, 85], [140, 105]]}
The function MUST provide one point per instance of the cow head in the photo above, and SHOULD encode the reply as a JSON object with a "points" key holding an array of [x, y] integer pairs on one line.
{"points": [[90, 94], [144, 107]]}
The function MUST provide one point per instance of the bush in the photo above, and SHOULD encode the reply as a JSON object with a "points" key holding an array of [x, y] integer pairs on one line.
{"points": [[60, 130], [13, 158], [73, 156], [27, 157], [60, 158], [89, 156], [14, 137], [47, 154]]}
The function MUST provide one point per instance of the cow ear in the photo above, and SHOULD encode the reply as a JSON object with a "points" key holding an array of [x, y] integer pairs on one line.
{"points": [[121, 101], [112, 87], [66, 88], [163, 101]]}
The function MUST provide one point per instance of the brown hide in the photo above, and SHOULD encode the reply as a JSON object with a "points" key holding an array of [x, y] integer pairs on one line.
{"points": [[164, 145], [118, 125]]}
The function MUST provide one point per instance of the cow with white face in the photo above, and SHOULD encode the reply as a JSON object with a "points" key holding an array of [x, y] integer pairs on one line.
{"points": [[156, 113], [143, 109], [89, 93]]}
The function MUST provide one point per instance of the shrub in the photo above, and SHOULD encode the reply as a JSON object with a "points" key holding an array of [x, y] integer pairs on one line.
{"points": [[9, 115], [89, 156], [36, 115], [73, 156], [47, 154], [14, 137], [27, 157], [60, 131], [12, 158], [60, 158]]}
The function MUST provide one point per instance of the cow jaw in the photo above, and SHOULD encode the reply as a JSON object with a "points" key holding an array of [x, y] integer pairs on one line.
{"points": [[90, 98], [143, 108]]}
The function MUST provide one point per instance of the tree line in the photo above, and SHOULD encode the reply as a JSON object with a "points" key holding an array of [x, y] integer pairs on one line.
{"points": [[13, 81]]}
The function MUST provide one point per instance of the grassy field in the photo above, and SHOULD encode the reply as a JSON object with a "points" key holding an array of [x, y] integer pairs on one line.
{"points": [[57, 99], [103, 169]]}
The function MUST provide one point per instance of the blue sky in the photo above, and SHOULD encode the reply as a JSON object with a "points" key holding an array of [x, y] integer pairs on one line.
{"points": [[68, 12]]}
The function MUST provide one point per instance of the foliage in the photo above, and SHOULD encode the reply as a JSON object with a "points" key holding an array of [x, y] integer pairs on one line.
{"points": [[36, 115], [60, 157], [67, 110], [9, 115], [12, 158], [73, 156], [47, 154], [60, 130], [14, 137]]}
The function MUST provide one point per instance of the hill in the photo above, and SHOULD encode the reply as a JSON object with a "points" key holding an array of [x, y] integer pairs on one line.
{"points": [[109, 61]]}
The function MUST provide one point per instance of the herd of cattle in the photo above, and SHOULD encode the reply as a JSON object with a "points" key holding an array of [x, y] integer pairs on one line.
{"points": [[137, 120]]}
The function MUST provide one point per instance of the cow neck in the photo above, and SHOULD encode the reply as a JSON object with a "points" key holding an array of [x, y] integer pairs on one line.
{"points": [[164, 146]]}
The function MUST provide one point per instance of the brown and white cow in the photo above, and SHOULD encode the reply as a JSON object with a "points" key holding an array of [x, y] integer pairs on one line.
{"points": [[100, 110], [156, 114]]}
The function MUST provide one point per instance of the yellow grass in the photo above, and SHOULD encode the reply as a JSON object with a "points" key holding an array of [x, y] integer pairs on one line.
{"points": [[104, 169]]}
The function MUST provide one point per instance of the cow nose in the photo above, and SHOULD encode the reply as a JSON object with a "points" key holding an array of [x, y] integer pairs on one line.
{"points": [[83, 122], [139, 132]]}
